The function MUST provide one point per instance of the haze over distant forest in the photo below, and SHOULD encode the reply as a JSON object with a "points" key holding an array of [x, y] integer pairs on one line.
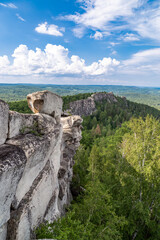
{"points": [[146, 95]]}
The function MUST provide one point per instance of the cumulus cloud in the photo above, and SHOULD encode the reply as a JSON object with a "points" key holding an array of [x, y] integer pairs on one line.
{"points": [[97, 36], [8, 5], [4, 61], [54, 60], [54, 63], [52, 29]]}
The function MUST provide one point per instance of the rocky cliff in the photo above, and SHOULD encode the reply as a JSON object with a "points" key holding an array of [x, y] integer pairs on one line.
{"points": [[36, 160], [86, 107]]}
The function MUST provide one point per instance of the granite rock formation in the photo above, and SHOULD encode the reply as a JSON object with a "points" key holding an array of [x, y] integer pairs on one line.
{"points": [[36, 160], [86, 107]]}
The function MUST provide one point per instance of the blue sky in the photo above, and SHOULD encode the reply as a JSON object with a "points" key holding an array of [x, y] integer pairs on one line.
{"points": [[80, 42]]}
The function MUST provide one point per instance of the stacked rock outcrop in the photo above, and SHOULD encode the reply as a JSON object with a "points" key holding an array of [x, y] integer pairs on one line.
{"points": [[86, 107], [36, 160]]}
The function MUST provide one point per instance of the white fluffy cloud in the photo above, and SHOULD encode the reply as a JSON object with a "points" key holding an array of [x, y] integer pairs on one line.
{"points": [[54, 60], [4, 61], [55, 63], [97, 36], [52, 29]]}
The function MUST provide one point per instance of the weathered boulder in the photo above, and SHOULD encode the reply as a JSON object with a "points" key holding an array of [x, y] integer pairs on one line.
{"points": [[12, 163], [4, 111], [45, 102]]}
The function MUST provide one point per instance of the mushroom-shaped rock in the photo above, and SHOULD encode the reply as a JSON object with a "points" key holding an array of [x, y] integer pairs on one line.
{"points": [[45, 102]]}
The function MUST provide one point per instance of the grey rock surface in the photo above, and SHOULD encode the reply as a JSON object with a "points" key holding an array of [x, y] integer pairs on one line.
{"points": [[3, 231], [20, 123], [36, 163], [98, 97], [71, 141], [12, 163], [38, 150], [4, 112], [86, 107], [83, 107], [45, 102]]}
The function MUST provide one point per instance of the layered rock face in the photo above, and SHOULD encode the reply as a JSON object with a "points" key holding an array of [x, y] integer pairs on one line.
{"points": [[86, 107], [36, 160]]}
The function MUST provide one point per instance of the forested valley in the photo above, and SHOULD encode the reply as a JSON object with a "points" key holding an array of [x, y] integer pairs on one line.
{"points": [[116, 181], [144, 95]]}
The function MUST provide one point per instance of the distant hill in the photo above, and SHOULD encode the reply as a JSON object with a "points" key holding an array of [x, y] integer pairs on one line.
{"points": [[113, 106], [145, 95]]}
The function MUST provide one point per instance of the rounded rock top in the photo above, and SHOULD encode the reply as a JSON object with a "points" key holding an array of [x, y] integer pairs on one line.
{"points": [[45, 102]]}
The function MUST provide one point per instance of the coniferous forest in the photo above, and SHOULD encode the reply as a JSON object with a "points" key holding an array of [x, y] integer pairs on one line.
{"points": [[116, 178]]}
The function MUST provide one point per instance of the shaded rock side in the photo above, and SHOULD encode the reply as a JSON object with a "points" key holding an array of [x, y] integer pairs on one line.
{"points": [[83, 107], [86, 107], [4, 113], [71, 141], [12, 163]]}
